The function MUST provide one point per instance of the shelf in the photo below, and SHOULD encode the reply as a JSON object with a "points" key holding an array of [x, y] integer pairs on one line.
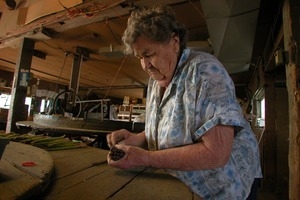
{"points": [[130, 112]]}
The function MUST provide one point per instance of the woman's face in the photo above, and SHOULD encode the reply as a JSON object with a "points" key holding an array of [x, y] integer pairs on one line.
{"points": [[158, 59]]}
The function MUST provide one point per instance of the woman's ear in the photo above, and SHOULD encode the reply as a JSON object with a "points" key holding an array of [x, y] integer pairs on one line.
{"points": [[175, 42]]}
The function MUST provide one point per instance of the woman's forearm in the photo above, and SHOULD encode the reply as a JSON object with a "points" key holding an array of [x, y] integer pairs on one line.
{"points": [[211, 152], [135, 139], [141, 141]]}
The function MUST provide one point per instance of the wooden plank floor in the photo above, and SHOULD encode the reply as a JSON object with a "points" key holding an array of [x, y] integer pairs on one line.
{"points": [[84, 174]]}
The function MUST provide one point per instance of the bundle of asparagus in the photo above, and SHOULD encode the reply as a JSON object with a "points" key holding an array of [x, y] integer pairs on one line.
{"points": [[45, 142]]}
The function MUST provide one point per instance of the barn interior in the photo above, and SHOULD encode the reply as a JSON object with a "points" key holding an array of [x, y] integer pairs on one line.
{"points": [[69, 52]]}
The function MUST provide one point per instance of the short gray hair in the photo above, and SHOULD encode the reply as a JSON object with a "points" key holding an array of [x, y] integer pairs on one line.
{"points": [[157, 24]]}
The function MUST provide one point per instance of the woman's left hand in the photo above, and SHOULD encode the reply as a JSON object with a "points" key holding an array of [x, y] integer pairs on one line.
{"points": [[134, 157]]}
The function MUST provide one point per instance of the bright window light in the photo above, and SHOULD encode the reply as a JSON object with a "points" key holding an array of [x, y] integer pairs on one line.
{"points": [[42, 108], [262, 108], [261, 118], [5, 101]]}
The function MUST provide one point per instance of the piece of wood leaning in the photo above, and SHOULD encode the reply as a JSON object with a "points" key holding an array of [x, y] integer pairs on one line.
{"points": [[25, 171]]}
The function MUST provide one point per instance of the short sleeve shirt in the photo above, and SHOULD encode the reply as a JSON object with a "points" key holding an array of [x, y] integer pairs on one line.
{"points": [[200, 96]]}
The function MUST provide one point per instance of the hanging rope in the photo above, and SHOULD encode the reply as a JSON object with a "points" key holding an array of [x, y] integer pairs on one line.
{"points": [[120, 67]]}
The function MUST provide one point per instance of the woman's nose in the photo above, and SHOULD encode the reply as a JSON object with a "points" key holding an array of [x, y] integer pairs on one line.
{"points": [[145, 63]]}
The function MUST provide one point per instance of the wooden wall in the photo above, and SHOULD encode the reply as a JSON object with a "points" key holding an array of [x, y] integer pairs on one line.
{"points": [[279, 145]]}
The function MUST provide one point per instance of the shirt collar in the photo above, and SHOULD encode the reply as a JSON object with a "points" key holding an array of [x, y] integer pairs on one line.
{"points": [[184, 56]]}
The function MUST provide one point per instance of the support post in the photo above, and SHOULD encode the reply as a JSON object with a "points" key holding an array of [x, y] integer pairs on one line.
{"points": [[291, 30], [18, 111], [82, 54]]}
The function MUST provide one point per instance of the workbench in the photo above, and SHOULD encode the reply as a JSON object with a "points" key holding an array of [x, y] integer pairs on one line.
{"points": [[83, 173]]}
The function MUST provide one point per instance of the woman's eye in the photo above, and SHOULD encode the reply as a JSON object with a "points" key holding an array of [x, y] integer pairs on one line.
{"points": [[144, 56], [148, 55]]}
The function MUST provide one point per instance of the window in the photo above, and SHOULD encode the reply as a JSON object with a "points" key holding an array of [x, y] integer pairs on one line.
{"points": [[43, 104], [261, 113], [5, 101]]}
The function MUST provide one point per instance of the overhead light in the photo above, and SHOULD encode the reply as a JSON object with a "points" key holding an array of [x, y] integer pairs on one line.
{"points": [[112, 51]]}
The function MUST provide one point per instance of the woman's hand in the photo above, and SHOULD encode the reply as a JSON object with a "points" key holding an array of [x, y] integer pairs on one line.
{"points": [[117, 137], [134, 157], [125, 137]]}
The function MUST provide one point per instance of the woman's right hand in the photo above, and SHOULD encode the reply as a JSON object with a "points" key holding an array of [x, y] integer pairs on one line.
{"points": [[125, 137], [118, 136]]}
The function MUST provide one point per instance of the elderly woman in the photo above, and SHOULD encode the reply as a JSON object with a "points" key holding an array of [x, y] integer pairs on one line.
{"points": [[195, 127]]}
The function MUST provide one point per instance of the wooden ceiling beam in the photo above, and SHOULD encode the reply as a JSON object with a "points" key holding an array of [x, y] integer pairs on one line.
{"points": [[45, 27]]}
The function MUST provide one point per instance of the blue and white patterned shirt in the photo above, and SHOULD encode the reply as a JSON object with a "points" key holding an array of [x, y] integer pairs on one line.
{"points": [[200, 96]]}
